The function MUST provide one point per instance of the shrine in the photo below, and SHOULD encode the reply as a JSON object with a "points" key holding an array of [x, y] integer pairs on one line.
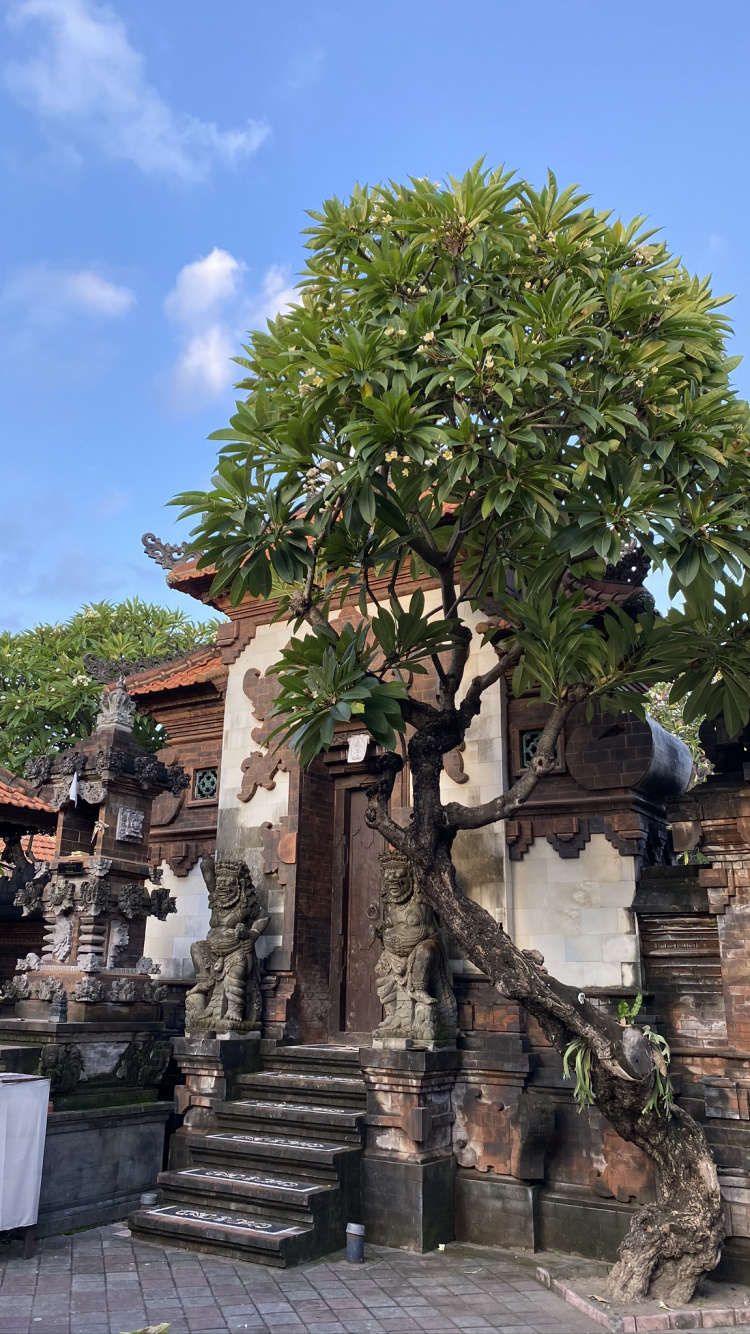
{"points": [[235, 980]]}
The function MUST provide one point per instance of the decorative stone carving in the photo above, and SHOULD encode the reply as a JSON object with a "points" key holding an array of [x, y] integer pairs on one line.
{"points": [[146, 965], [413, 975], [143, 1062], [30, 963], [18, 988], [131, 900], [89, 989], [122, 990], [109, 762], [259, 770], [37, 771], [29, 896], [147, 769], [119, 935], [93, 896], [72, 762], [58, 937], [227, 994], [116, 708], [166, 554], [129, 825], [59, 897], [50, 988], [100, 866], [177, 779], [88, 962], [161, 903], [63, 1066]]}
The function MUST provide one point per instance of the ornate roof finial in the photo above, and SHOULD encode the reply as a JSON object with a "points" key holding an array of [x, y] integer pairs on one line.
{"points": [[116, 709], [166, 554]]}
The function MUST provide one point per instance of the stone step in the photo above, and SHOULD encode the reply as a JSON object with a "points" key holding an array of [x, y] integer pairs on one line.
{"points": [[287, 1086], [315, 1060], [342, 1124], [261, 1195], [308, 1159], [216, 1231]]}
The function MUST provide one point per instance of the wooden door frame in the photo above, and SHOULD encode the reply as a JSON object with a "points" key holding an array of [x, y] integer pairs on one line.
{"points": [[346, 782]]}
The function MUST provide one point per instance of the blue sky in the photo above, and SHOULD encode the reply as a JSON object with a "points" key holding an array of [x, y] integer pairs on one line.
{"points": [[158, 159]]}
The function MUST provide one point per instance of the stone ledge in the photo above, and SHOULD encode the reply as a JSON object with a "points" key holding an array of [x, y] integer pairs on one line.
{"points": [[694, 1317]]}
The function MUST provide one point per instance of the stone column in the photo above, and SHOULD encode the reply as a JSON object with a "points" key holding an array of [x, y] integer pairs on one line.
{"points": [[409, 1166]]}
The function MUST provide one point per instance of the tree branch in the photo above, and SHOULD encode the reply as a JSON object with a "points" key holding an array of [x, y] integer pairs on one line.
{"points": [[378, 795], [458, 817]]}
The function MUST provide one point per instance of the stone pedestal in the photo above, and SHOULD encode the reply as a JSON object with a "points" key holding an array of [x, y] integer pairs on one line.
{"points": [[209, 1065], [409, 1166]]}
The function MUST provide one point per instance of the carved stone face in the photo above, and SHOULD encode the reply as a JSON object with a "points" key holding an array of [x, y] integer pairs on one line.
{"points": [[397, 882], [229, 888]]}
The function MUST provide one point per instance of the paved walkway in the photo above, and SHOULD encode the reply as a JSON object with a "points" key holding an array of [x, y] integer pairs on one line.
{"points": [[101, 1282]]}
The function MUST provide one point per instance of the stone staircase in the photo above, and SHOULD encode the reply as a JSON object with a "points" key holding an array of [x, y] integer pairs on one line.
{"points": [[279, 1178]]}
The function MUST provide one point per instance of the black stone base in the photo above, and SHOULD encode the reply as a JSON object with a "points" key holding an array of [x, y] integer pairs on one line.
{"points": [[97, 1163], [408, 1204], [575, 1221], [496, 1210]]}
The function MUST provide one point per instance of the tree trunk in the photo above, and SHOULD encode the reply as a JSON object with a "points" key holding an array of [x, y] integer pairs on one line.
{"points": [[673, 1242]]}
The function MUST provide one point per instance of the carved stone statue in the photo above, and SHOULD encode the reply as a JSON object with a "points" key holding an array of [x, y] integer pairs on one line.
{"points": [[116, 708], [227, 993], [413, 975]]}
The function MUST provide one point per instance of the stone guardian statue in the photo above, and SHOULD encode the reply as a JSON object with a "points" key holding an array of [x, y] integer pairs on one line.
{"points": [[226, 996], [413, 974]]}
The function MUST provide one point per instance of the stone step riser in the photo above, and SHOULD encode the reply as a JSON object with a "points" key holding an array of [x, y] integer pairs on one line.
{"points": [[149, 1224], [323, 1217], [284, 1159], [277, 1120], [281, 1087], [228, 1204]]}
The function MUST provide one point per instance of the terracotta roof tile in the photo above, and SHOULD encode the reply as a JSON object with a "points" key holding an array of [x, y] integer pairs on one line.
{"points": [[15, 796], [42, 847], [200, 665]]}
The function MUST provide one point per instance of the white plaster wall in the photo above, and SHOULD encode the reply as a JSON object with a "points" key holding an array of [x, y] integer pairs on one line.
{"points": [[577, 911], [168, 943], [239, 822]]}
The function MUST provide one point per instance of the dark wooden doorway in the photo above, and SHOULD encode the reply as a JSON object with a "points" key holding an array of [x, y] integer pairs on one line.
{"points": [[355, 1009]]}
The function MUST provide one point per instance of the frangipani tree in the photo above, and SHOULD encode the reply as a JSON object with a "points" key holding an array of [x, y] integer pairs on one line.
{"points": [[504, 391]]}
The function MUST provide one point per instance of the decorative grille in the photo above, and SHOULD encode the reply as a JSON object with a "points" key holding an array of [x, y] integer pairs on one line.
{"points": [[205, 784], [529, 743]]}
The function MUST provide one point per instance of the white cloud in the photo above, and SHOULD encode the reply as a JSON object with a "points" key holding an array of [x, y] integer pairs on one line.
{"points": [[203, 286], [89, 78], [213, 314], [49, 293]]}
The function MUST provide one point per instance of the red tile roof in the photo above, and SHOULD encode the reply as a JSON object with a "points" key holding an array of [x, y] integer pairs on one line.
{"points": [[41, 847], [196, 667], [16, 796]]}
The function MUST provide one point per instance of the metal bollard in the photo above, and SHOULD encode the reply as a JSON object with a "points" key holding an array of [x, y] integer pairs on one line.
{"points": [[355, 1243]]}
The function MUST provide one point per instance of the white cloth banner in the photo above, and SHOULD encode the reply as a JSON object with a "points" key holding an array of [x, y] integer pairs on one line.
{"points": [[23, 1126]]}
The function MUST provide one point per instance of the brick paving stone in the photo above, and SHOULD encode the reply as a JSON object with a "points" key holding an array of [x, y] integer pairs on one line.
{"points": [[64, 1288]]}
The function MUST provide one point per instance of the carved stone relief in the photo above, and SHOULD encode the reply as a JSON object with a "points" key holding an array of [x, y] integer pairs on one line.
{"points": [[129, 825]]}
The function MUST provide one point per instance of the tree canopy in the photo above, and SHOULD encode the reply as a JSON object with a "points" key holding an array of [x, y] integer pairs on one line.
{"points": [[507, 390], [51, 676], [503, 395]]}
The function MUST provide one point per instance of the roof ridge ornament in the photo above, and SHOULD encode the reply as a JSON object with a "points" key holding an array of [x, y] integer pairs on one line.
{"points": [[116, 709], [166, 554]]}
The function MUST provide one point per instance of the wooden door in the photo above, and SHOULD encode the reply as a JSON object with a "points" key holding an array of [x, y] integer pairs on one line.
{"points": [[355, 1007]]}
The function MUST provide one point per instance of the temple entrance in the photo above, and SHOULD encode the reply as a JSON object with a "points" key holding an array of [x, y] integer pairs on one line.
{"points": [[355, 1009]]}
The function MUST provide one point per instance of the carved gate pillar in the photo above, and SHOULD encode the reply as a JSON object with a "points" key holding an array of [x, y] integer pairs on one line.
{"points": [[409, 1165]]}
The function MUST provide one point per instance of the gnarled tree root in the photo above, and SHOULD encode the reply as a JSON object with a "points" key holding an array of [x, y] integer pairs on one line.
{"points": [[666, 1253]]}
